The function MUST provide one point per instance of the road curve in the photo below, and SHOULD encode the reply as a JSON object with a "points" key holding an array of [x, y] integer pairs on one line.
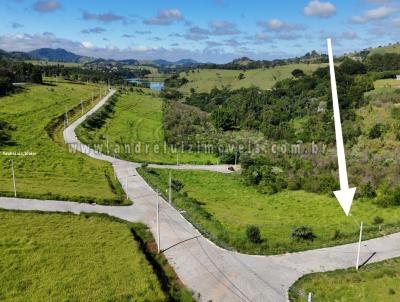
{"points": [[210, 271]]}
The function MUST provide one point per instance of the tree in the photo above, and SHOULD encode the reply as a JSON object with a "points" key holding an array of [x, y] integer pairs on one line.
{"points": [[223, 119], [351, 67], [298, 73], [36, 77]]}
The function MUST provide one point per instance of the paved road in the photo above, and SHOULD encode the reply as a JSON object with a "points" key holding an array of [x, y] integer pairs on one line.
{"points": [[216, 274], [214, 168]]}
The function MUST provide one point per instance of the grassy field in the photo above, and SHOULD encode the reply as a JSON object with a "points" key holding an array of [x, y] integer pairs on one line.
{"points": [[64, 257], [206, 79], [395, 48], [378, 282], [224, 207], [137, 122], [51, 63], [387, 83], [50, 171]]}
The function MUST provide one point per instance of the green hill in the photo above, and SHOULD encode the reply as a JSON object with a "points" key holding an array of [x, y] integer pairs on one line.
{"points": [[394, 48], [203, 80]]}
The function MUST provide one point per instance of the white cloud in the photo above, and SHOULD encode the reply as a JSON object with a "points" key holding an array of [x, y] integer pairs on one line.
{"points": [[275, 24], [87, 44], [222, 28], [319, 9], [375, 14], [279, 25], [165, 17]]}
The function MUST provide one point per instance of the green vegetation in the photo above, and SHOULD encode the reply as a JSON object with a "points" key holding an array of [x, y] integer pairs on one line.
{"points": [[36, 115], [387, 83], [393, 48], [378, 282], [224, 208], [64, 257], [51, 63], [204, 80], [134, 132]]}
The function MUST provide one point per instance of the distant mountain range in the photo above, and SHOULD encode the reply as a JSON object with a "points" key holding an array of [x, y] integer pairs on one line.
{"points": [[64, 56]]}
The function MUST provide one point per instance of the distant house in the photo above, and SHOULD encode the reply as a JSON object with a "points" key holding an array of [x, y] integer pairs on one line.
{"points": [[398, 77]]}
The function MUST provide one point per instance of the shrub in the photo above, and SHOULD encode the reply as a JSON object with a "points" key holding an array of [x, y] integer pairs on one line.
{"points": [[177, 185], [377, 220], [367, 190], [391, 198], [228, 158], [376, 131], [253, 234], [303, 233], [298, 73], [154, 172], [144, 165]]}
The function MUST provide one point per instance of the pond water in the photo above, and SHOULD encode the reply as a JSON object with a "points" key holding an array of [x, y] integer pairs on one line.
{"points": [[153, 85]]}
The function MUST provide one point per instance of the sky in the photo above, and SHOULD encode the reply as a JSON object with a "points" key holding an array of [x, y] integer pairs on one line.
{"points": [[204, 30]]}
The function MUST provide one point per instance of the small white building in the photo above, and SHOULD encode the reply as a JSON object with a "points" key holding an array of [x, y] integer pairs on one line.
{"points": [[398, 77]]}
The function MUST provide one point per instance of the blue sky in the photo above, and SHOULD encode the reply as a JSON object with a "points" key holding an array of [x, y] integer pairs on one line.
{"points": [[206, 30]]}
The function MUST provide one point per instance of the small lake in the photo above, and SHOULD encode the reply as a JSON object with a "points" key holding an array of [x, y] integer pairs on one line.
{"points": [[156, 86]]}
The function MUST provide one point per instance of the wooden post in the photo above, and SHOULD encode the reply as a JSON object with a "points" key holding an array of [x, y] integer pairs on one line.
{"points": [[13, 176]]}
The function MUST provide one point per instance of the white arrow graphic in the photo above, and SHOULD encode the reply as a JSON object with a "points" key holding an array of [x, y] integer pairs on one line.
{"points": [[345, 195]]}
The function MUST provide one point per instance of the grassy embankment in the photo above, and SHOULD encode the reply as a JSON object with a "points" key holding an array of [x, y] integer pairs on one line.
{"points": [[203, 80], [52, 172], [378, 282], [64, 257], [137, 122], [222, 207]]}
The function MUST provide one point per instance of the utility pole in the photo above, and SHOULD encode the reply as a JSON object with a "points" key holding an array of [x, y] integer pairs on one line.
{"points": [[82, 106], [177, 158], [158, 222], [92, 97], [13, 175], [359, 247], [107, 144], [170, 189]]}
